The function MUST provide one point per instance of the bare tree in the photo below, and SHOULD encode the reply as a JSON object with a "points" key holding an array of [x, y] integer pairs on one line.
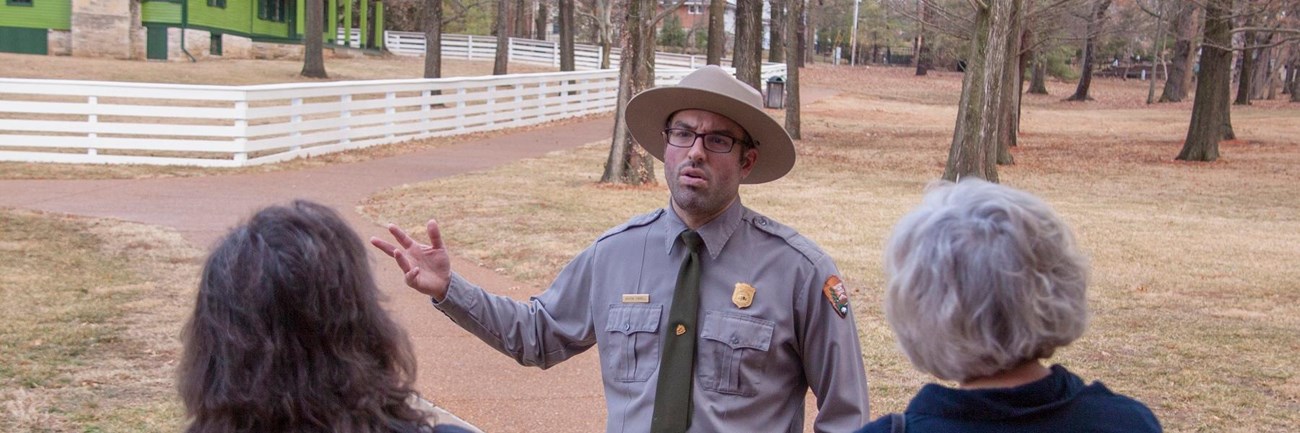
{"points": [[543, 13], [793, 37], [566, 36], [519, 15], [1096, 19], [432, 38], [1184, 28], [313, 57], [717, 32], [994, 38], [776, 34], [628, 163], [1211, 119], [502, 60], [749, 42], [601, 15]]}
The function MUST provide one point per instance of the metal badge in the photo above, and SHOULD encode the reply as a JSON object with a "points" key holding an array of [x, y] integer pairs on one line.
{"points": [[743, 296]]}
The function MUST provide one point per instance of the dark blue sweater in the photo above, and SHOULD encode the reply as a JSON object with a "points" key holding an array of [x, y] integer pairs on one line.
{"points": [[1059, 402]]}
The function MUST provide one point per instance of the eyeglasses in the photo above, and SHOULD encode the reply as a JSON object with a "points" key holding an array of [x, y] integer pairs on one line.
{"points": [[685, 138]]}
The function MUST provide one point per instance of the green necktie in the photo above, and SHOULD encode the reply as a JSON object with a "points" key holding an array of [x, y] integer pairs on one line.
{"points": [[677, 366]]}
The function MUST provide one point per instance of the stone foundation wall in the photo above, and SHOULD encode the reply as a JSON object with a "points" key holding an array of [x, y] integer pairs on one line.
{"points": [[270, 51], [60, 43], [102, 28]]}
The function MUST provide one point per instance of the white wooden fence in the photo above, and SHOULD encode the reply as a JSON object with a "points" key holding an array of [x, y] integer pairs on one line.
{"points": [[230, 126]]}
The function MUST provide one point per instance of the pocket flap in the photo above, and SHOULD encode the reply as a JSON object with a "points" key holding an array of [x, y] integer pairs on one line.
{"points": [[738, 330], [630, 319]]}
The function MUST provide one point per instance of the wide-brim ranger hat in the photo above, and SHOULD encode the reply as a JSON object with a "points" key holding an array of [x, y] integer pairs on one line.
{"points": [[713, 89]]}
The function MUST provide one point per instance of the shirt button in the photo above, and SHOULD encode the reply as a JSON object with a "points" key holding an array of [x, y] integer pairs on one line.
{"points": [[735, 340], [627, 326], [762, 221]]}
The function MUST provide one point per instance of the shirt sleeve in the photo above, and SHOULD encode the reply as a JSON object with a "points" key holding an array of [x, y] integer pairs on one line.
{"points": [[832, 357], [549, 328]]}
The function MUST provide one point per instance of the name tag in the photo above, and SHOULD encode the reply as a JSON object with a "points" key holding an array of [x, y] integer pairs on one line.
{"points": [[636, 298]]}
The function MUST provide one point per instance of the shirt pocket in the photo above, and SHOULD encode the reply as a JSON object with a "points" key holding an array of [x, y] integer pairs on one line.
{"points": [[733, 352], [633, 345]]}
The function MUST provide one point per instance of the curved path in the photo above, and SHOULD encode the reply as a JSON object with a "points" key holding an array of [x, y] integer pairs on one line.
{"points": [[455, 369]]}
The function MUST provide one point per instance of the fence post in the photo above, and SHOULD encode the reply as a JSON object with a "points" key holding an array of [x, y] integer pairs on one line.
{"points": [[93, 119], [241, 129], [426, 111], [541, 100], [346, 115], [555, 55], [510, 49], [469, 48], [296, 120], [460, 107], [519, 102], [390, 101], [692, 61]]}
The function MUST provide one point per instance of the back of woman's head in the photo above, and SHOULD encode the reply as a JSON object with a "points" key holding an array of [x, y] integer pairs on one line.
{"points": [[982, 278], [288, 335]]}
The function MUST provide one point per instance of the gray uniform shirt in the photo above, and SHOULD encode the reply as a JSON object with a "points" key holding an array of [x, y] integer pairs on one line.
{"points": [[753, 363]]}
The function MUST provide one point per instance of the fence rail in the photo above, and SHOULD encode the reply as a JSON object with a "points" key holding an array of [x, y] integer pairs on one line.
{"points": [[231, 126]]}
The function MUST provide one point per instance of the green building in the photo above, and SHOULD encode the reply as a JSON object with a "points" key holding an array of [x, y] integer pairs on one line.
{"points": [[174, 29]]}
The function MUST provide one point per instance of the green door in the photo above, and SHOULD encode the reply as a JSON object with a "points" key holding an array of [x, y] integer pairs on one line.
{"points": [[24, 41], [156, 43]]}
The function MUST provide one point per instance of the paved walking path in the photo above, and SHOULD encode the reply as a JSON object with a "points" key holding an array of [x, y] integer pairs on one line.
{"points": [[456, 370]]}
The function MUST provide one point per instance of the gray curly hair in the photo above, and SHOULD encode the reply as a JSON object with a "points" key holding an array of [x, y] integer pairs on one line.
{"points": [[982, 278]]}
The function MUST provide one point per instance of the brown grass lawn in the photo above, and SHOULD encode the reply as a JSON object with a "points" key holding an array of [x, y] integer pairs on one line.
{"points": [[1195, 300], [91, 318]]}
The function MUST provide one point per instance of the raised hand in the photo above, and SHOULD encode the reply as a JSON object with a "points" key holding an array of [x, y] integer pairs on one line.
{"points": [[427, 267]]}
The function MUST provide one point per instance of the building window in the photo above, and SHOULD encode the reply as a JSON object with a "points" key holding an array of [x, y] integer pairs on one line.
{"points": [[18, 2], [217, 3], [695, 10], [271, 10], [214, 44]]}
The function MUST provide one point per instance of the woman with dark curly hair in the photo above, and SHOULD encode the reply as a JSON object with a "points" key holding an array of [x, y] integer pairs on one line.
{"points": [[288, 335]]}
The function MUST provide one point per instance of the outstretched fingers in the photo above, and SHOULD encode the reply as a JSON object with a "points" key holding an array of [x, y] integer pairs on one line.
{"points": [[402, 238], [435, 235]]}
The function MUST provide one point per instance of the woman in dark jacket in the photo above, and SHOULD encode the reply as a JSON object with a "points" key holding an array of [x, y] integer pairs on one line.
{"points": [[984, 284], [288, 335]]}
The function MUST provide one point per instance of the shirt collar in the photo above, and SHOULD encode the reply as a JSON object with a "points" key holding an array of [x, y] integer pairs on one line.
{"points": [[714, 233]]}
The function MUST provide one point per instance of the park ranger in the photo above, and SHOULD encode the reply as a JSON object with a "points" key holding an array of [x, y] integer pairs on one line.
{"points": [[709, 317]]}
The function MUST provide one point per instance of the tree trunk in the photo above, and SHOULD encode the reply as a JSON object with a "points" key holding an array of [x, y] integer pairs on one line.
{"points": [[542, 14], [921, 51], [432, 38], [519, 16], [1089, 51], [776, 36], [806, 45], [975, 137], [1180, 64], [1211, 121], [566, 36], [627, 162], [499, 66], [1038, 82], [748, 54], [1247, 69], [1009, 115], [313, 56], [604, 25], [1264, 82], [1159, 47], [791, 44], [1293, 72], [717, 32]]}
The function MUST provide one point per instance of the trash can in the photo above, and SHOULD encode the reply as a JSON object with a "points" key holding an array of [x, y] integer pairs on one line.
{"points": [[775, 93]]}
